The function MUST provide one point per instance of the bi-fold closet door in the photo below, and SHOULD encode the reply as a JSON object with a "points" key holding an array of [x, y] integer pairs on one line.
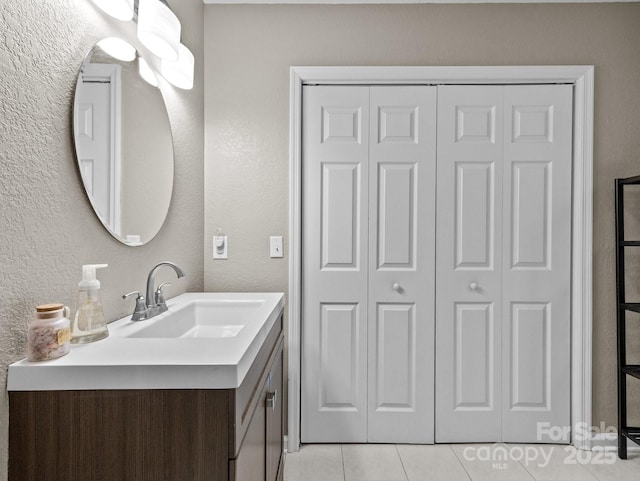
{"points": [[368, 179], [496, 280], [503, 262]]}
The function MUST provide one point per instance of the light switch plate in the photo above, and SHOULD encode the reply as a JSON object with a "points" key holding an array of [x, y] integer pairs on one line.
{"points": [[220, 247], [275, 246]]}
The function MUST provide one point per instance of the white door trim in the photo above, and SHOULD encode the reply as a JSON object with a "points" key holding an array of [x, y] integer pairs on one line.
{"points": [[582, 77]]}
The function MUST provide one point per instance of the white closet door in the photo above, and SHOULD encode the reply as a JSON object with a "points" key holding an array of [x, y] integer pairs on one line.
{"points": [[368, 264], [504, 237], [335, 264], [401, 264], [469, 264], [536, 260]]}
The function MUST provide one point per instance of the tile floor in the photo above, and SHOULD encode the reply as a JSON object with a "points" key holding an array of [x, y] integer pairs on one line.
{"points": [[456, 462]]}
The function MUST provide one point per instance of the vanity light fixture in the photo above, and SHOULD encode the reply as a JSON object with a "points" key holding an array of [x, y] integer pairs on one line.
{"points": [[159, 29], [118, 48], [120, 9], [146, 73], [180, 72]]}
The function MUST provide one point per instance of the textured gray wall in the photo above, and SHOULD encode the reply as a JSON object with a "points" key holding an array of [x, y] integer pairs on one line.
{"points": [[47, 227], [249, 50]]}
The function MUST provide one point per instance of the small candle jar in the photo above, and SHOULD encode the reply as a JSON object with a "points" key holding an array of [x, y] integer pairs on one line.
{"points": [[49, 333]]}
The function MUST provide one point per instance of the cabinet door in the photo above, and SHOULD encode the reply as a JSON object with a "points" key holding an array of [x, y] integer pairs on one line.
{"points": [[250, 463], [261, 451], [274, 411]]}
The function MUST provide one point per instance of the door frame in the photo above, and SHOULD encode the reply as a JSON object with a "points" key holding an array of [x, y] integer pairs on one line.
{"points": [[582, 78]]}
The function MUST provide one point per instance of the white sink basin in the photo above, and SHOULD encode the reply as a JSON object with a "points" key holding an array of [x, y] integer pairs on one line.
{"points": [[204, 341], [202, 318]]}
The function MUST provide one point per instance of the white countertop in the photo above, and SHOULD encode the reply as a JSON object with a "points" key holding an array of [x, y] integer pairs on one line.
{"points": [[119, 362]]}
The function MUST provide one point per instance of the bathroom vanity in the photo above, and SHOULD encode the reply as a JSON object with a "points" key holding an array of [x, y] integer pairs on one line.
{"points": [[194, 394]]}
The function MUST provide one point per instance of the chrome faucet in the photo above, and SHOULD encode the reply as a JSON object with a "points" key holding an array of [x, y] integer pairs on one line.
{"points": [[155, 300], [154, 303]]}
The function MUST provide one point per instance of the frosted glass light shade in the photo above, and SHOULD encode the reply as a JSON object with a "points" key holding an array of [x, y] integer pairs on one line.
{"points": [[120, 9], [158, 29], [180, 72], [118, 48], [146, 73]]}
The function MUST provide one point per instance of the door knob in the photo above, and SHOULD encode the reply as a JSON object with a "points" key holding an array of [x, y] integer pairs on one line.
{"points": [[397, 287], [473, 286]]}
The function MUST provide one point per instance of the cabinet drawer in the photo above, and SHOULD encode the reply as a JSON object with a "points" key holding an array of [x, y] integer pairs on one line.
{"points": [[245, 399]]}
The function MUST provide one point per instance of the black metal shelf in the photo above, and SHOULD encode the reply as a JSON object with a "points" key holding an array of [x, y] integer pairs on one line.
{"points": [[625, 432], [632, 370], [632, 433], [631, 306], [629, 180]]}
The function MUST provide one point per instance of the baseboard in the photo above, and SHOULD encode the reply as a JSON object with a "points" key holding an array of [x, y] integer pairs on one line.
{"points": [[609, 442], [604, 441]]}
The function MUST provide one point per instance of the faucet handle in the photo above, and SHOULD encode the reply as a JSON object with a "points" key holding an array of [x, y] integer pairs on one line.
{"points": [[140, 312], [126, 296], [159, 295]]}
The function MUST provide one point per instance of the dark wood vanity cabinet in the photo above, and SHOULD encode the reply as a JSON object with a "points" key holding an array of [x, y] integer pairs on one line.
{"points": [[154, 435]]}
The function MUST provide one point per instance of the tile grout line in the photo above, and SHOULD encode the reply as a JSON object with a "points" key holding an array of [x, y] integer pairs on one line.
{"points": [[527, 471], [406, 475], [580, 465], [532, 477], [593, 473], [344, 470], [461, 463]]}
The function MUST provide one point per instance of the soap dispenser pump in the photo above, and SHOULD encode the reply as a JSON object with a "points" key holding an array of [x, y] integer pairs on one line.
{"points": [[89, 323]]}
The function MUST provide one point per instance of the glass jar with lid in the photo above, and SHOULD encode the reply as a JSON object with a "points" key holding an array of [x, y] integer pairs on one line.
{"points": [[49, 333]]}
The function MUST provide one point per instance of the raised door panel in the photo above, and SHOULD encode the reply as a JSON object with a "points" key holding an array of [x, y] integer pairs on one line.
{"points": [[397, 216], [401, 264], [530, 214], [340, 216], [469, 264], [474, 353], [474, 215], [529, 366], [335, 176], [396, 357], [339, 383], [537, 260]]}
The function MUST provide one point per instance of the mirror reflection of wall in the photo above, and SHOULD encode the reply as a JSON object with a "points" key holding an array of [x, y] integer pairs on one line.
{"points": [[123, 144]]}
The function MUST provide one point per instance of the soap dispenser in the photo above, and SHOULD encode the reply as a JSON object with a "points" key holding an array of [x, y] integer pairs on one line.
{"points": [[89, 323]]}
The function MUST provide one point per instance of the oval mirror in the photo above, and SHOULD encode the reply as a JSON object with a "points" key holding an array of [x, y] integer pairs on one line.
{"points": [[123, 141]]}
